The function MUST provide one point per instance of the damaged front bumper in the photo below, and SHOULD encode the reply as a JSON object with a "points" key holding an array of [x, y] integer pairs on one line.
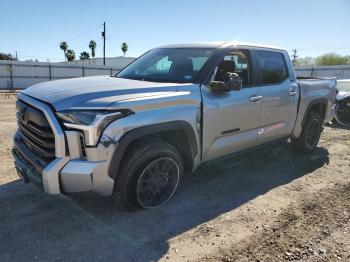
{"points": [[26, 171], [66, 175], [74, 168]]}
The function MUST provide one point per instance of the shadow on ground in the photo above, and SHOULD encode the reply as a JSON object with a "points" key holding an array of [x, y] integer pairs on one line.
{"points": [[87, 228]]}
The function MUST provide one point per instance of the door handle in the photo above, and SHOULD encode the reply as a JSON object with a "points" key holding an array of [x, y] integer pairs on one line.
{"points": [[292, 92], [255, 98]]}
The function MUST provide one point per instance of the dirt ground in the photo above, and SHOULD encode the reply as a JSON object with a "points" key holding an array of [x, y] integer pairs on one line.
{"points": [[270, 205]]}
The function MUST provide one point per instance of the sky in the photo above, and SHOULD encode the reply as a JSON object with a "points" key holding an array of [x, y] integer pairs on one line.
{"points": [[34, 28]]}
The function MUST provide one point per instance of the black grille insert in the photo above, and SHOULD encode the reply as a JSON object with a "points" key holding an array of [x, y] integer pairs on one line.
{"points": [[35, 131]]}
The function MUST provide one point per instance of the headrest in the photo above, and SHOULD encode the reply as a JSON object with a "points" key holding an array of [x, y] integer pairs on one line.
{"points": [[227, 66], [185, 62], [183, 66]]}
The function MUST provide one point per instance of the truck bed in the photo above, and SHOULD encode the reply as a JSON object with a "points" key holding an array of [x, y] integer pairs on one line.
{"points": [[315, 90]]}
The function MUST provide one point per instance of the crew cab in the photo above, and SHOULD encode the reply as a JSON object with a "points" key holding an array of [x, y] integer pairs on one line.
{"points": [[133, 135]]}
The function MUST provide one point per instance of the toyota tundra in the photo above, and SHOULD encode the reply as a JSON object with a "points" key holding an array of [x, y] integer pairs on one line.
{"points": [[134, 134]]}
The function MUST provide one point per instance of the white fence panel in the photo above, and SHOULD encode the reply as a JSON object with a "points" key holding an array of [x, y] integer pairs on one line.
{"points": [[93, 72], [24, 74], [338, 71], [22, 83], [68, 72]]}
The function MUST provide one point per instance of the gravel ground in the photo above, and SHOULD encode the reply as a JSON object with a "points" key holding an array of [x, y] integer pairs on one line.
{"points": [[270, 205]]}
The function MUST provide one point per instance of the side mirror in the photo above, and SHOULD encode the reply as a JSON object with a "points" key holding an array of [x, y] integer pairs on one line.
{"points": [[230, 82]]}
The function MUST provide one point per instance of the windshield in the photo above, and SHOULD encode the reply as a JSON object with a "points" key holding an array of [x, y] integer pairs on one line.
{"points": [[343, 86], [177, 65]]}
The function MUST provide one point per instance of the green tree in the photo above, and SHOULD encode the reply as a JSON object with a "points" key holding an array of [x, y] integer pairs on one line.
{"points": [[64, 47], [4, 56], [92, 46], [70, 54], [332, 59], [124, 46], [84, 55], [305, 61]]}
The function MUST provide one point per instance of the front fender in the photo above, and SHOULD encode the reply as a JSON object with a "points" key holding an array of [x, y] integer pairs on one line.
{"points": [[139, 132]]}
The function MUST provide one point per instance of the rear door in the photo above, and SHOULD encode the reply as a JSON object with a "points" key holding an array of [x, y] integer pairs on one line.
{"points": [[280, 94]]}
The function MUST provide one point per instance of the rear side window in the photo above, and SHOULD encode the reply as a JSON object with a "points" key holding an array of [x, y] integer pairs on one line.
{"points": [[273, 67]]}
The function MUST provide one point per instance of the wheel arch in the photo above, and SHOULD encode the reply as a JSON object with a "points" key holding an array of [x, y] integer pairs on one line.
{"points": [[173, 132], [318, 106]]}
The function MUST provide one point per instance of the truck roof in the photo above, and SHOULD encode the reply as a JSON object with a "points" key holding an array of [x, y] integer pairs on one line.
{"points": [[220, 45]]}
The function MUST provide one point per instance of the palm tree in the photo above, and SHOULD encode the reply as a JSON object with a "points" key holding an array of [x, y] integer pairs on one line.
{"points": [[92, 46], [124, 47], [84, 55], [64, 47], [4, 56], [70, 54]]}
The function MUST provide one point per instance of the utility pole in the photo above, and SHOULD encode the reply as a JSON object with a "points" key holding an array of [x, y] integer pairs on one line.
{"points": [[294, 56], [104, 43]]}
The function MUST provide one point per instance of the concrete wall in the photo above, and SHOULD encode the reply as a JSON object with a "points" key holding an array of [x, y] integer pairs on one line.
{"points": [[338, 71], [25, 74]]}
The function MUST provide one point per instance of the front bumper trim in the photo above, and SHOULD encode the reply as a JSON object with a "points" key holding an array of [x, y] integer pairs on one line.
{"points": [[76, 176], [51, 172]]}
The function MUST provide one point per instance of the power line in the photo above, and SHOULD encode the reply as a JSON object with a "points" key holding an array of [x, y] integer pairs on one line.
{"points": [[98, 44], [83, 34]]}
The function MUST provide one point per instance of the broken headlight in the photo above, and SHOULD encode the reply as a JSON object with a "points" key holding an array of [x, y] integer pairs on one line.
{"points": [[90, 122]]}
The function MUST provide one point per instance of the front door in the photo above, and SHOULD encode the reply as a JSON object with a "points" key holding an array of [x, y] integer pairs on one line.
{"points": [[231, 119]]}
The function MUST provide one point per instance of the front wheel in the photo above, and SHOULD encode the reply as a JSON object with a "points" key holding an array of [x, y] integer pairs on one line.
{"points": [[149, 177], [310, 135], [158, 182]]}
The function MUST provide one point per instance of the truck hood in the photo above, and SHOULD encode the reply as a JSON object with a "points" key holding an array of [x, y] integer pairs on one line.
{"points": [[96, 92]]}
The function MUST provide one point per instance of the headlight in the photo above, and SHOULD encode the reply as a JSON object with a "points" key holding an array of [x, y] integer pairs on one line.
{"points": [[91, 122]]}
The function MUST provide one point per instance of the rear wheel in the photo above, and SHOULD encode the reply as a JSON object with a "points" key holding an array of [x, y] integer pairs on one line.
{"points": [[149, 176], [310, 135]]}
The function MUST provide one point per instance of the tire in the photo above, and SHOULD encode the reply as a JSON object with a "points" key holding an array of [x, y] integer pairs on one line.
{"points": [[339, 116], [310, 134], [142, 173]]}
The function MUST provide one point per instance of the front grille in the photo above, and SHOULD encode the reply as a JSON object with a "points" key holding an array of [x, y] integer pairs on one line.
{"points": [[35, 131]]}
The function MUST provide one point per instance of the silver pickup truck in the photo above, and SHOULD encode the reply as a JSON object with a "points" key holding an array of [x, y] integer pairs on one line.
{"points": [[134, 135]]}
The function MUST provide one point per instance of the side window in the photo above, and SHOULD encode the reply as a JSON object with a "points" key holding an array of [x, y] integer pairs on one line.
{"points": [[273, 67], [234, 62]]}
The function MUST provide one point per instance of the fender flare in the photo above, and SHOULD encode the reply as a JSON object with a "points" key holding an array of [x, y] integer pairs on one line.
{"points": [[136, 133], [322, 101]]}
